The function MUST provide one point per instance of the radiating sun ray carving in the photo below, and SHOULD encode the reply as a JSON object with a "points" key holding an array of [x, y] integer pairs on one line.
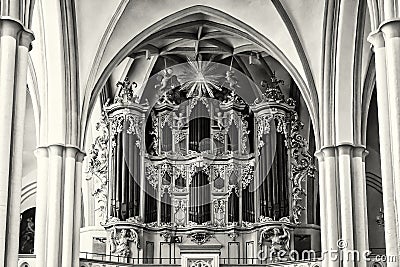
{"points": [[199, 78]]}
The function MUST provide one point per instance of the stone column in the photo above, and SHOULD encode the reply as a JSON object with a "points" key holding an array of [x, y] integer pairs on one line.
{"points": [[346, 199], [77, 208], [391, 34], [343, 192], [68, 207], [14, 199], [330, 189], [359, 191], [13, 64], [58, 216], [54, 236], [391, 234], [42, 156], [323, 209]]}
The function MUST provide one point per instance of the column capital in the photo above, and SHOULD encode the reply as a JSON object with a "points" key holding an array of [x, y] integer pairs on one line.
{"points": [[376, 39], [75, 152], [10, 26], [70, 151], [348, 148], [25, 38], [390, 28], [56, 149], [41, 152], [326, 151], [342, 148]]}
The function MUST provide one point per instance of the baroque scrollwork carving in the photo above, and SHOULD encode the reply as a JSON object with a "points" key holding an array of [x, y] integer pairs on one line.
{"points": [[97, 167], [200, 238], [247, 174], [273, 92], [265, 219], [220, 137], [151, 172], [233, 235], [135, 127], [200, 263], [194, 101], [133, 124], [301, 165], [166, 119], [116, 125], [125, 94], [166, 236], [179, 136], [263, 127], [135, 219], [155, 133]]}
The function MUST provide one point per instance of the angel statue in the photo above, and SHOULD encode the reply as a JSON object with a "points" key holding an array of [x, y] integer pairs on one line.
{"points": [[179, 120], [167, 80], [220, 120], [279, 238], [232, 80], [120, 242]]}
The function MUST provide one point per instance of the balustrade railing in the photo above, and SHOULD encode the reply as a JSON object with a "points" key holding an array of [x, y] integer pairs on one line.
{"points": [[89, 258]]}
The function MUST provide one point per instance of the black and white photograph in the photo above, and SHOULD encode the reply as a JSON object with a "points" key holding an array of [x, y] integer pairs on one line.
{"points": [[199, 133]]}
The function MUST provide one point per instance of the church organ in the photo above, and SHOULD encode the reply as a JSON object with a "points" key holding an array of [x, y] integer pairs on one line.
{"points": [[213, 165]]}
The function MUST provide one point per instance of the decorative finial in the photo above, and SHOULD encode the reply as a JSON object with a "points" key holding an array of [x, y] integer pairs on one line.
{"points": [[125, 94], [272, 90]]}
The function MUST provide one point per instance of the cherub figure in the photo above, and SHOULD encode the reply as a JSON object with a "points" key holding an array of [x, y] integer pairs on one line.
{"points": [[179, 120], [220, 120], [232, 80], [167, 81]]}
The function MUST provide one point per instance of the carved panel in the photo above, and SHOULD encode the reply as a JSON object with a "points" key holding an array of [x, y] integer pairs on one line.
{"points": [[302, 166], [219, 212], [200, 263], [200, 238], [180, 212], [279, 238], [120, 240]]}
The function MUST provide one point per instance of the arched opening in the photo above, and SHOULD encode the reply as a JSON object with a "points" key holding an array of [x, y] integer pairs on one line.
{"points": [[376, 227], [200, 199], [200, 143]]}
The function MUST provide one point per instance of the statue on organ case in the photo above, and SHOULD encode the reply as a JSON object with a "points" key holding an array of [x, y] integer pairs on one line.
{"points": [[179, 120], [120, 242], [280, 241]]}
